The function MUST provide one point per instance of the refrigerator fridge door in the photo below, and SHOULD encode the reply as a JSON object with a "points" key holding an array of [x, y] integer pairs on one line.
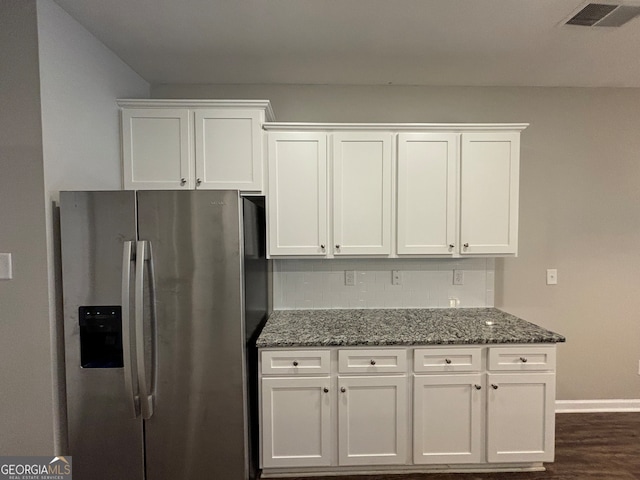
{"points": [[105, 437], [197, 429]]}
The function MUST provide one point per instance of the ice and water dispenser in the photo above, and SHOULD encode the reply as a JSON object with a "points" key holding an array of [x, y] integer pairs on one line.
{"points": [[101, 337]]}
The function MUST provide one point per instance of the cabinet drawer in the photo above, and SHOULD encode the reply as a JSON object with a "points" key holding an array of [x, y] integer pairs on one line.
{"points": [[372, 361], [295, 362], [447, 360], [522, 358]]}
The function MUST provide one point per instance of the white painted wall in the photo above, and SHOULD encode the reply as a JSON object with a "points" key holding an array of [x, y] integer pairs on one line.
{"points": [[26, 426], [80, 80], [425, 283], [579, 201]]}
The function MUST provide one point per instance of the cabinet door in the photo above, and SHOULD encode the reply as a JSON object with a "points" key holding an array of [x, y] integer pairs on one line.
{"points": [[447, 419], [297, 213], [489, 176], [427, 204], [229, 153], [362, 193], [372, 415], [296, 422], [521, 417], [155, 149]]}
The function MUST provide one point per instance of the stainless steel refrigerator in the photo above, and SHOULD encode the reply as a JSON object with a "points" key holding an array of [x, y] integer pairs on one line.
{"points": [[164, 295]]}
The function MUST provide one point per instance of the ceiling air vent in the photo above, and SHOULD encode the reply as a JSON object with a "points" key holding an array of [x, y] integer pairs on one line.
{"points": [[604, 15]]}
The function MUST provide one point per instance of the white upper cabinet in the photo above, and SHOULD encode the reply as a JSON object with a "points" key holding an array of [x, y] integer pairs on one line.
{"points": [[186, 144], [489, 179], [362, 193], [229, 149], [393, 189], [427, 193], [297, 193], [156, 149]]}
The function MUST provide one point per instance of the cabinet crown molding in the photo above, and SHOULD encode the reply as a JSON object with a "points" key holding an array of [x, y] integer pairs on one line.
{"points": [[197, 103], [397, 127]]}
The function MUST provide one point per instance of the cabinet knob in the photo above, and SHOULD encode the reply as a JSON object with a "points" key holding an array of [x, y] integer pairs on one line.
{"points": [[447, 361], [183, 181], [295, 363], [322, 247], [373, 362], [342, 389], [325, 390], [478, 387], [198, 182], [523, 359], [494, 386], [337, 247], [466, 245], [451, 245]]}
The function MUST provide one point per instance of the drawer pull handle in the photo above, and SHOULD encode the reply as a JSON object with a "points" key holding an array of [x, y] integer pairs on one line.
{"points": [[342, 389], [295, 363], [325, 390], [447, 361], [478, 387], [523, 359], [494, 386], [373, 362]]}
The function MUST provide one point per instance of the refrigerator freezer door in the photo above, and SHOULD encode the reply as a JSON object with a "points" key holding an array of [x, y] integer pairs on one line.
{"points": [[106, 441], [198, 427]]}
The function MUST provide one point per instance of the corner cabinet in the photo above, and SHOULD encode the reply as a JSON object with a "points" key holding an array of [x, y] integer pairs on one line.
{"points": [[393, 190], [408, 409], [188, 144]]}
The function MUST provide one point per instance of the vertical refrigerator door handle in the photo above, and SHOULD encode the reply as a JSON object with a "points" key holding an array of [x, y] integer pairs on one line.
{"points": [[146, 396], [130, 375]]}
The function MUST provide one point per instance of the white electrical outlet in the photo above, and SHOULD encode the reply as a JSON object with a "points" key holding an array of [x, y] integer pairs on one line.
{"points": [[350, 278], [552, 276], [6, 272], [396, 277], [458, 277]]}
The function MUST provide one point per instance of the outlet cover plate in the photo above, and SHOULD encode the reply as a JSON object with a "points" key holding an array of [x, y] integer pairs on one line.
{"points": [[6, 271]]}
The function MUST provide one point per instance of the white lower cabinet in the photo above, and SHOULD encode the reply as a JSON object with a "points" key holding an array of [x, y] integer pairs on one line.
{"points": [[447, 419], [372, 420], [296, 422], [521, 417], [469, 406]]}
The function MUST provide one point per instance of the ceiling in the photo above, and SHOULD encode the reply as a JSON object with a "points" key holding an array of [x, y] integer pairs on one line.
{"points": [[401, 42]]}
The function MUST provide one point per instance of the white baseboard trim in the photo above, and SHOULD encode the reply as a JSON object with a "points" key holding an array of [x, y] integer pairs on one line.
{"points": [[592, 406]]}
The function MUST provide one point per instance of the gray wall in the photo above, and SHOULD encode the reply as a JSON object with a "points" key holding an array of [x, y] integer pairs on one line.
{"points": [[580, 195], [80, 80], [26, 424]]}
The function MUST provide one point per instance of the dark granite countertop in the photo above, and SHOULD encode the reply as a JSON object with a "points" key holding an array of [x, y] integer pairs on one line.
{"points": [[430, 326]]}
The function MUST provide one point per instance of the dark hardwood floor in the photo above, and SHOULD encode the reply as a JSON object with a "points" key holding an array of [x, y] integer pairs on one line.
{"points": [[589, 446]]}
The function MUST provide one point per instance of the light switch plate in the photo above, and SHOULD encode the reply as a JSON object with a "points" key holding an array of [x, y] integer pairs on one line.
{"points": [[552, 276], [458, 277], [6, 272]]}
